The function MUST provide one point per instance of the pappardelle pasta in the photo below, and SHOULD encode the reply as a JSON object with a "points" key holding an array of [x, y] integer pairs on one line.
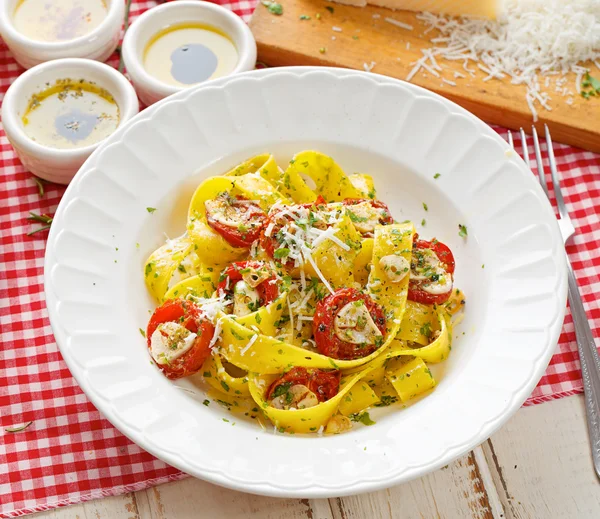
{"points": [[295, 294]]}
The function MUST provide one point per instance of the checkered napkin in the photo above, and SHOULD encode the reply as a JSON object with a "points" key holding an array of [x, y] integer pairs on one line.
{"points": [[70, 453]]}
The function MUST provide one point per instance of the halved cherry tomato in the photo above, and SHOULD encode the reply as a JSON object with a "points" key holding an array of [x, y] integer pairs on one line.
{"points": [[385, 217], [190, 316], [324, 384], [415, 287], [267, 290], [328, 343], [252, 220]]}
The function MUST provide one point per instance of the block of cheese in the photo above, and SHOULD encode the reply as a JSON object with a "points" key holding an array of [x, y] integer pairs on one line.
{"points": [[472, 8]]}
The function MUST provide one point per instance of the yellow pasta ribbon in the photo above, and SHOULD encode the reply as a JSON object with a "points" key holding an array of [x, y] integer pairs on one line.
{"points": [[272, 355], [329, 179], [359, 398], [266, 317], [362, 263], [411, 379], [213, 249], [216, 375], [265, 164], [364, 183], [335, 263], [306, 420], [254, 187], [396, 240], [201, 285], [162, 263]]}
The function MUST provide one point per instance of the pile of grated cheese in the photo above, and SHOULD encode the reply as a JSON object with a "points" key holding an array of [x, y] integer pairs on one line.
{"points": [[534, 43]]}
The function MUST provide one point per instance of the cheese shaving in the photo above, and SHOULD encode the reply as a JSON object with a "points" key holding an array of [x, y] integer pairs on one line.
{"points": [[532, 40], [249, 345], [399, 24]]}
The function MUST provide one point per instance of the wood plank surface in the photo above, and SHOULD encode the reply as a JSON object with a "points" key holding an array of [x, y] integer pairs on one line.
{"points": [[363, 40], [537, 466]]}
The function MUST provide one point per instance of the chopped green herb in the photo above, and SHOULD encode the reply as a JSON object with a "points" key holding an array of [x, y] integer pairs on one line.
{"points": [[329, 8], [206, 402], [150, 209], [354, 218], [423, 222], [304, 17], [225, 386], [282, 252], [237, 335], [206, 374], [462, 230], [425, 206], [181, 268], [436, 176], [143, 333], [592, 84], [363, 418], [273, 7]]}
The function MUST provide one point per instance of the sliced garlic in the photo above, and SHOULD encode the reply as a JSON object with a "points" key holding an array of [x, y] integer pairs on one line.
{"points": [[297, 397], [395, 267], [255, 276], [170, 341], [338, 424], [354, 324], [245, 299]]}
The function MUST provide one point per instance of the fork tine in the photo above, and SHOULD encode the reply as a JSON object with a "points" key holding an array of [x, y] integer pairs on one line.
{"points": [[540, 163], [525, 148], [510, 140], [560, 202]]}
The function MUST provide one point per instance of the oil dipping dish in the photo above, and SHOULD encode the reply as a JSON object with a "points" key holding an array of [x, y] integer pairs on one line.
{"points": [[181, 44]]}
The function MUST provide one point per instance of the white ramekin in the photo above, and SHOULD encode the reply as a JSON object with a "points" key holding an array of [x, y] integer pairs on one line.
{"points": [[59, 165], [98, 44], [149, 88]]}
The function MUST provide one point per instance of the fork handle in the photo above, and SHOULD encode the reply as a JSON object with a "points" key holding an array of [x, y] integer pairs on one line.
{"points": [[590, 366]]}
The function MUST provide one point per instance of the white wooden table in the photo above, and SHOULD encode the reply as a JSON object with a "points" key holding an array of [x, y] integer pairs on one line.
{"points": [[537, 466]]}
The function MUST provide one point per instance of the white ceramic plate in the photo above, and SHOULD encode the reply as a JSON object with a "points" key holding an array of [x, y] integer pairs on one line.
{"points": [[402, 135]]}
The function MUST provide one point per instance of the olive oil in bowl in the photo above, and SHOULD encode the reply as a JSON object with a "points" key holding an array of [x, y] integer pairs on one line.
{"points": [[58, 20], [189, 53], [71, 114]]}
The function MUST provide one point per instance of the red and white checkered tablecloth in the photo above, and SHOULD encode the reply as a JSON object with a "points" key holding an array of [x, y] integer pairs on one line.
{"points": [[71, 453]]}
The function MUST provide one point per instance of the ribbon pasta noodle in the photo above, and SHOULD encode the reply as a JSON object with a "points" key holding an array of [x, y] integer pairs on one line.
{"points": [[294, 293]]}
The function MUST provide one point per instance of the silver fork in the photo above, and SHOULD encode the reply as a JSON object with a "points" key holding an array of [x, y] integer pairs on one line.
{"points": [[588, 354]]}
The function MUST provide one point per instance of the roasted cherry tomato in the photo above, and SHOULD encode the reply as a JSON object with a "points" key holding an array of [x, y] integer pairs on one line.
{"points": [[260, 285], [324, 384], [189, 316], [368, 214], [432, 268], [237, 219], [348, 325]]}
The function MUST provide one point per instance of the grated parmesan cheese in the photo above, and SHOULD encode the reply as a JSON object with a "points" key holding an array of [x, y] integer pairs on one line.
{"points": [[399, 24], [249, 345], [533, 39]]}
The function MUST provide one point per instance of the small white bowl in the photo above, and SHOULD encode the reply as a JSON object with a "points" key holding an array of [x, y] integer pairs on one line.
{"points": [[98, 44], [151, 89], [53, 164]]}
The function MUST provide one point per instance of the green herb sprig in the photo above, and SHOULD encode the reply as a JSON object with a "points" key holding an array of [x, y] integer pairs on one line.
{"points": [[41, 218]]}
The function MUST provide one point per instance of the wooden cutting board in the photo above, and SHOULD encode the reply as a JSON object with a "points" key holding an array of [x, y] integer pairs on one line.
{"points": [[366, 37]]}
